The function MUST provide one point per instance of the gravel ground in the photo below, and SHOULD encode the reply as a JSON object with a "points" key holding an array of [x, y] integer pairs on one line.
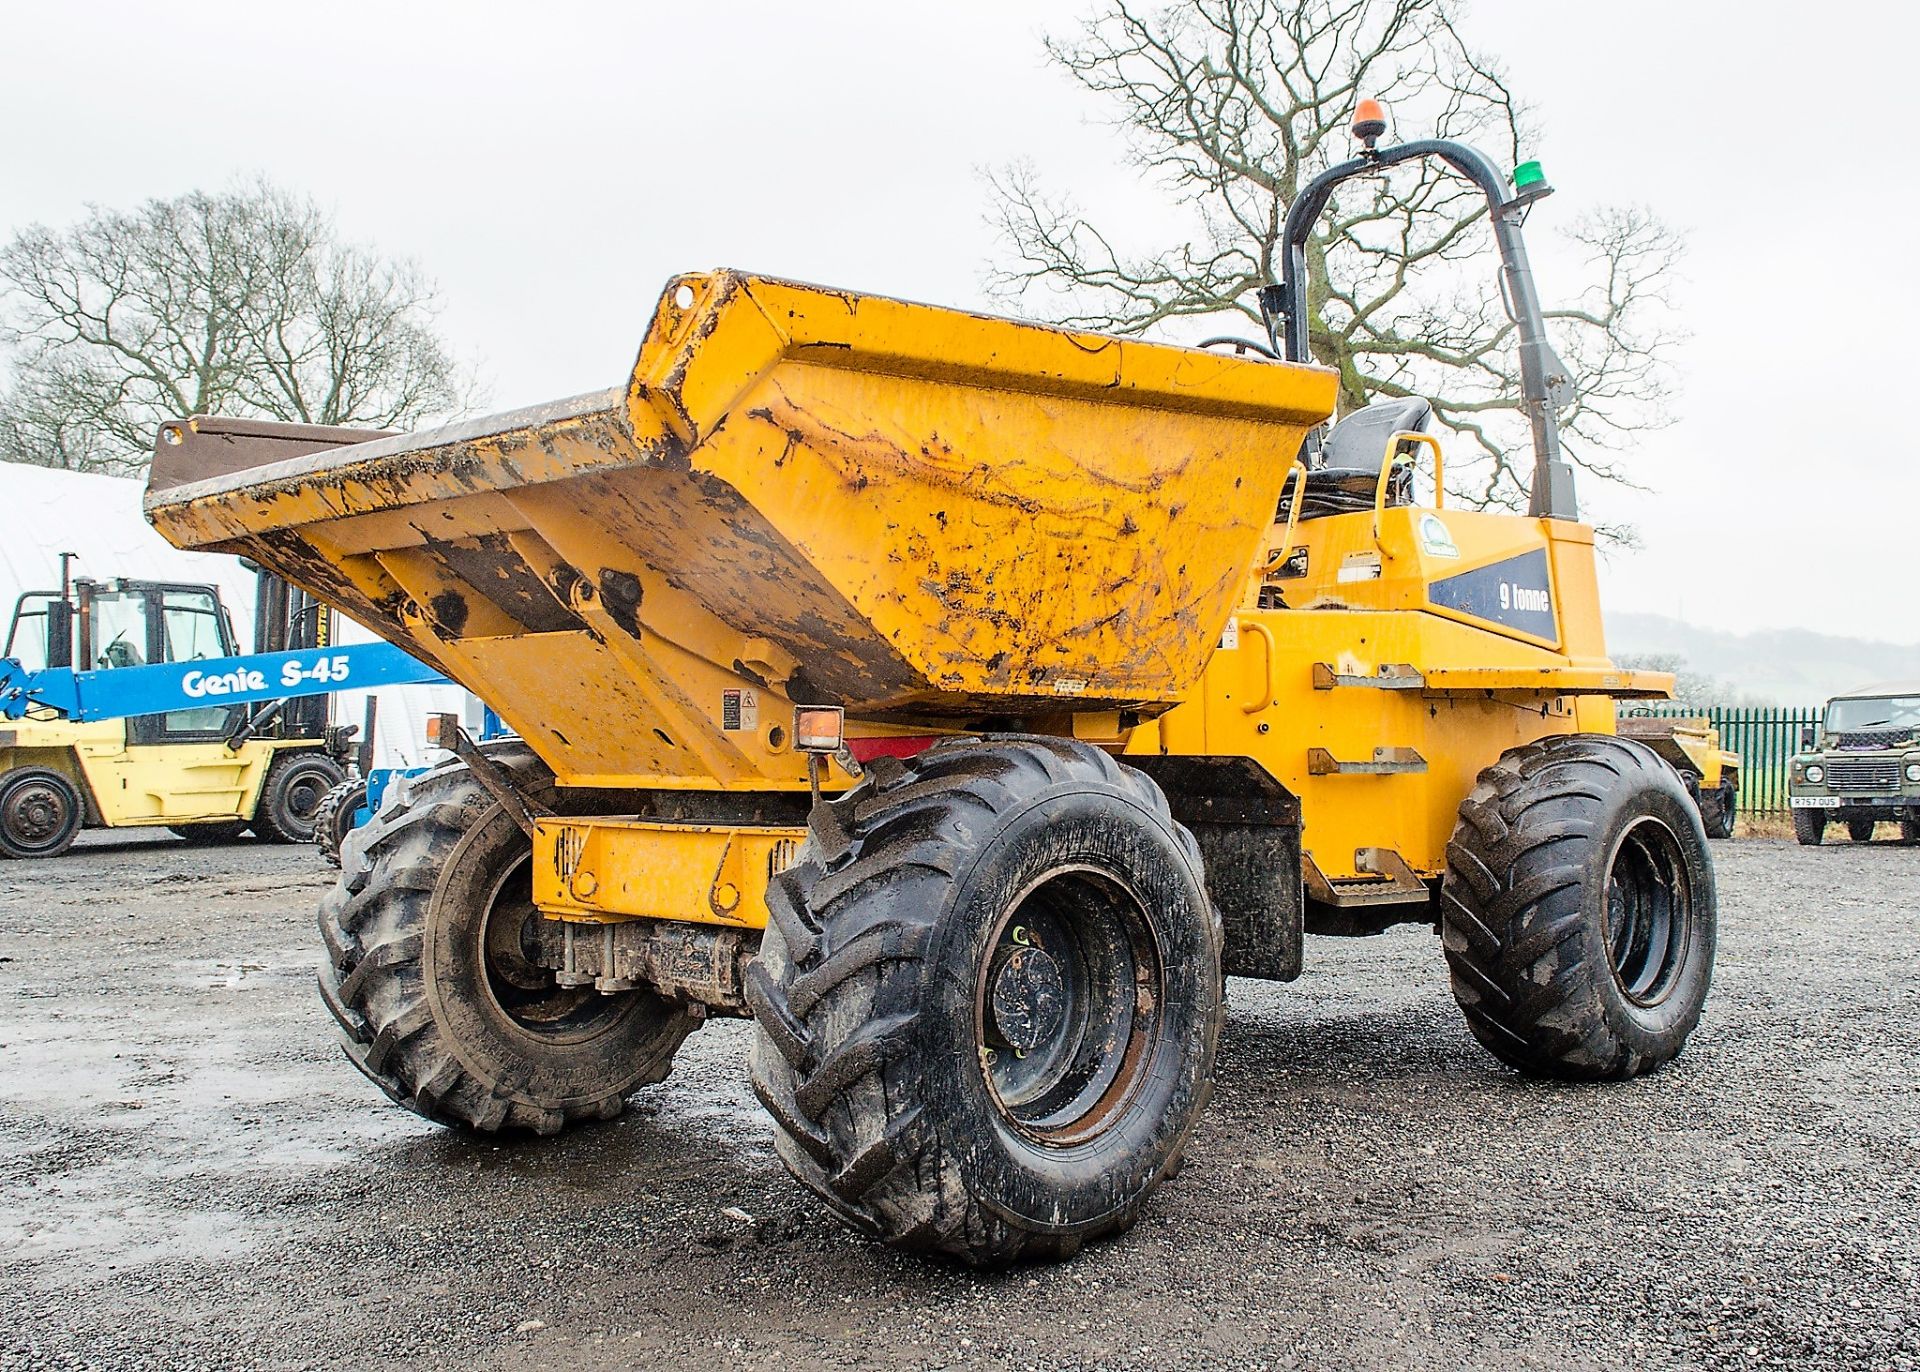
{"points": [[192, 1176]]}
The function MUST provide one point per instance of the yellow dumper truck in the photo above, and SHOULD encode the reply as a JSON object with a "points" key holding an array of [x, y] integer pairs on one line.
{"points": [[1691, 746], [961, 699]]}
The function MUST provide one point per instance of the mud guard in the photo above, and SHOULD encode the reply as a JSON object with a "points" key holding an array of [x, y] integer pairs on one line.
{"points": [[1248, 827]]}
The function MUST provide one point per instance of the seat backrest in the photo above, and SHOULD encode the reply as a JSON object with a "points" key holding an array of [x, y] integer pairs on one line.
{"points": [[1358, 443]]}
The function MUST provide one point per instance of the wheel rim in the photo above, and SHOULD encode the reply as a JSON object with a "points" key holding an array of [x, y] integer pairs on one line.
{"points": [[1065, 1005], [524, 991], [36, 814], [1649, 911], [305, 790]]}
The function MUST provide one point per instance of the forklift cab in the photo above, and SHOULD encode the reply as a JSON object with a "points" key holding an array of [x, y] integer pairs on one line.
{"points": [[104, 625]]}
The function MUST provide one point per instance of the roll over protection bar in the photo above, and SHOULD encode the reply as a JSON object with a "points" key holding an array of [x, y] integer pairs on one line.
{"points": [[1544, 381]]}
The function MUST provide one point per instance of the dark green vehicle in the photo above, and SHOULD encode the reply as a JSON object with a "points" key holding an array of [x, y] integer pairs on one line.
{"points": [[1863, 767]]}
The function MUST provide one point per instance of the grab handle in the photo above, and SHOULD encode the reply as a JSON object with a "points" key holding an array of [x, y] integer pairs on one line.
{"points": [[1269, 678], [1387, 465]]}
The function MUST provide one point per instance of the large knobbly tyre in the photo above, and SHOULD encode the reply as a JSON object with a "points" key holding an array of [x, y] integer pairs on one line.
{"points": [[1717, 809], [988, 999], [1578, 911], [1810, 827], [333, 821], [290, 797], [427, 974]]}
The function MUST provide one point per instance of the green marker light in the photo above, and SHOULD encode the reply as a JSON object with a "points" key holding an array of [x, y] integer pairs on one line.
{"points": [[1529, 185]]}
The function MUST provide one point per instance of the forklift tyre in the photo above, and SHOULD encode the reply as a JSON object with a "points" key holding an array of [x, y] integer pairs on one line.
{"points": [[219, 831], [988, 1000], [333, 821], [40, 813], [290, 799], [426, 971], [1860, 830], [1578, 910], [1810, 827]]}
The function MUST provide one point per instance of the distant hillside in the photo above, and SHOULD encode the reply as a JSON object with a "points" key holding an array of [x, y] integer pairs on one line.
{"points": [[1774, 666]]}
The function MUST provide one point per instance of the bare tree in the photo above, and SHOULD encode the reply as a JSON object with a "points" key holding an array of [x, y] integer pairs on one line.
{"points": [[1693, 689], [244, 303], [1232, 106]]}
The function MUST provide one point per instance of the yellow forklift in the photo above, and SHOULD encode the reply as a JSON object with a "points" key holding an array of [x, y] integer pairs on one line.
{"points": [[209, 770]]}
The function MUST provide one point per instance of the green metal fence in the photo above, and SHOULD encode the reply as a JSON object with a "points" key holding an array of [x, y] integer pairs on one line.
{"points": [[1764, 736]]}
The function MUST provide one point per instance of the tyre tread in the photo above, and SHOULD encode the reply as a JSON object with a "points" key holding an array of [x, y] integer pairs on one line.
{"points": [[1512, 934], [851, 924], [372, 923]]}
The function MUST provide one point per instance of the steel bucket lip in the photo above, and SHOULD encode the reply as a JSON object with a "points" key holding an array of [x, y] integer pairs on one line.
{"points": [[354, 460]]}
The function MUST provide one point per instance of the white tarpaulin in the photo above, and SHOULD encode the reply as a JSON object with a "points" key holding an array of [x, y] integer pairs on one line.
{"points": [[44, 513]]}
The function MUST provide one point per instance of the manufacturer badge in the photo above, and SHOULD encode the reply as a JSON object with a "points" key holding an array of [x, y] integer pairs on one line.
{"points": [[1435, 539]]}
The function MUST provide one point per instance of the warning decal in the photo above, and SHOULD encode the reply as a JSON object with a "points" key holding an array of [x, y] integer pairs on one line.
{"points": [[739, 709]]}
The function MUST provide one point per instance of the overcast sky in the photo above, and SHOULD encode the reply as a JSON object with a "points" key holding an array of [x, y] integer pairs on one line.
{"points": [[551, 165]]}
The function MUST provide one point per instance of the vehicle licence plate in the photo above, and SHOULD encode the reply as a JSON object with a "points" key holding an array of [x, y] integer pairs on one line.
{"points": [[1814, 802]]}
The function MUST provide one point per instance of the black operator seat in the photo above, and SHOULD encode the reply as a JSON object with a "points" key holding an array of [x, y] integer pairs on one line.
{"points": [[1350, 458]]}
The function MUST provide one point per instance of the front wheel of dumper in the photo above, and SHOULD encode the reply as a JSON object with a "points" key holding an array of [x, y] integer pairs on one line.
{"points": [[1578, 913], [988, 1000], [430, 975]]}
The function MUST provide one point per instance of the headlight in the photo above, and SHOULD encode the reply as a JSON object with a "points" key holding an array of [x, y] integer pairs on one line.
{"points": [[1913, 771], [1816, 773]]}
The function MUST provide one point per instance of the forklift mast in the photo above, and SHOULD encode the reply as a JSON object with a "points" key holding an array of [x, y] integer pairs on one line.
{"points": [[287, 619]]}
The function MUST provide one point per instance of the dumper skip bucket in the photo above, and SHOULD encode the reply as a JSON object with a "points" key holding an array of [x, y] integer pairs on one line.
{"points": [[801, 495]]}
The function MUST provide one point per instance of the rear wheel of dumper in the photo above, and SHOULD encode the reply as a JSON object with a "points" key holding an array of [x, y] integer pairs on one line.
{"points": [[428, 971], [1717, 810], [1578, 911], [1860, 830], [988, 1000], [1810, 827], [334, 820]]}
